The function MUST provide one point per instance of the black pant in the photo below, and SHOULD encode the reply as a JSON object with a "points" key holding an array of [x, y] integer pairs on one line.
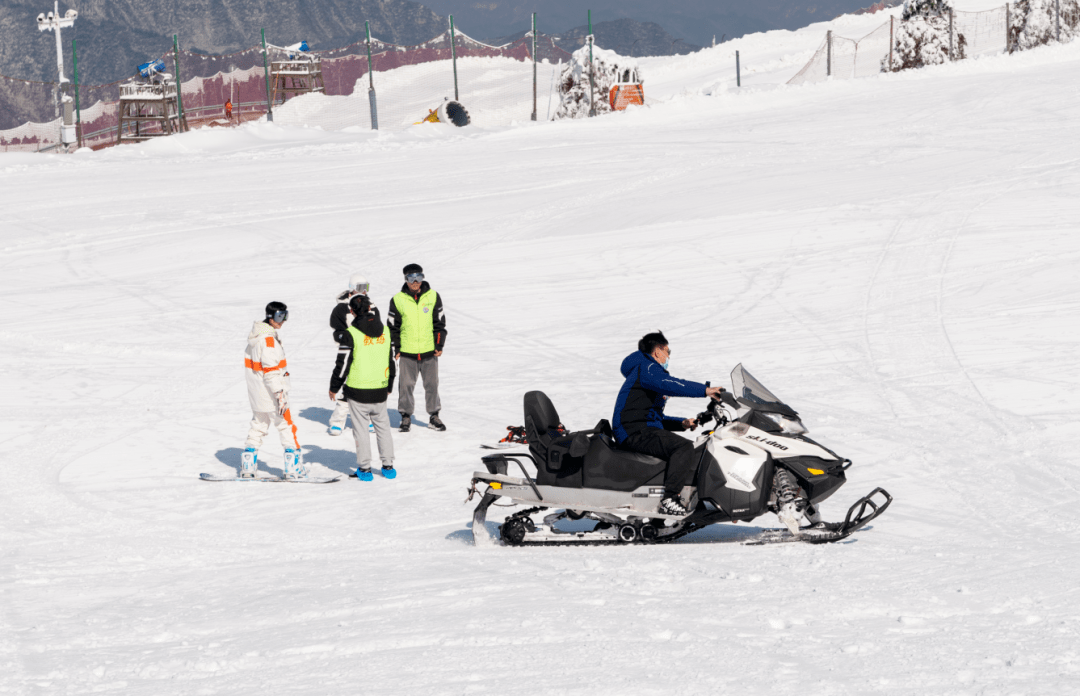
{"points": [[676, 450]]}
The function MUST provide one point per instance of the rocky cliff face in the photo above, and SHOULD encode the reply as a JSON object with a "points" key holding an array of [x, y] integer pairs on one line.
{"points": [[114, 36]]}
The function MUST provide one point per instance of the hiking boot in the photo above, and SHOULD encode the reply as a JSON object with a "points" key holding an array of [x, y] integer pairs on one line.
{"points": [[671, 505], [406, 422], [435, 423]]}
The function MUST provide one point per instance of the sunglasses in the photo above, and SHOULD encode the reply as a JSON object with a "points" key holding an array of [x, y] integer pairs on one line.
{"points": [[414, 277]]}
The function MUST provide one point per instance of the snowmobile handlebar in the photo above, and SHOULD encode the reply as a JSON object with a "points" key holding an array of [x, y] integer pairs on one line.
{"points": [[712, 411]]}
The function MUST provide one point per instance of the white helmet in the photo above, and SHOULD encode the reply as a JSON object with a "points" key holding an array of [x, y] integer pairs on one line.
{"points": [[358, 283]]}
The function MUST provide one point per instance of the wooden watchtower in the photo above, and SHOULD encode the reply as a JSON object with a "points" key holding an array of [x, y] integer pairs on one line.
{"points": [[298, 74], [148, 110]]}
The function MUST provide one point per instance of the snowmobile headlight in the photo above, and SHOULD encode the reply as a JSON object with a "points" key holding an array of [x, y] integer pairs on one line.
{"points": [[788, 426], [734, 429]]}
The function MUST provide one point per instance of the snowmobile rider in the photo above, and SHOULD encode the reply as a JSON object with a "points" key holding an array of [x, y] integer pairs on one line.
{"points": [[639, 423], [418, 330], [268, 392], [339, 321], [365, 368]]}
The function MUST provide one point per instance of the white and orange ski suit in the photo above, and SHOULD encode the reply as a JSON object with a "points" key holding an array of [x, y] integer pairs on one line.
{"points": [[266, 375]]}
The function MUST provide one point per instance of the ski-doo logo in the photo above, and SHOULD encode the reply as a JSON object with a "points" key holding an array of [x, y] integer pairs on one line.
{"points": [[771, 443]]}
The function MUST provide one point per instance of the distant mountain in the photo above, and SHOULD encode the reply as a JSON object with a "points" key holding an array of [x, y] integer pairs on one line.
{"points": [[116, 35], [624, 36], [694, 21]]}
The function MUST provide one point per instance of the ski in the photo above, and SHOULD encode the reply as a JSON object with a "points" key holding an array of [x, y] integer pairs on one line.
{"points": [[503, 445], [269, 479]]}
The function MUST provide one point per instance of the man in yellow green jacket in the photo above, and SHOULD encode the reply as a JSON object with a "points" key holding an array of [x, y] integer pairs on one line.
{"points": [[365, 368], [418, 333]]}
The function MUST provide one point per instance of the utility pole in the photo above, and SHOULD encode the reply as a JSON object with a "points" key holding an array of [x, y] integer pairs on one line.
{"points": [[54, 22]]}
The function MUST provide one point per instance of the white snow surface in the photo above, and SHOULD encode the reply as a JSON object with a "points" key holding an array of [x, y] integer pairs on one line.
{"points": [[896, 257]]}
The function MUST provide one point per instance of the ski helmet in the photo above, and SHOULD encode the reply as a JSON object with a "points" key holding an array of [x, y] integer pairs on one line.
{"points": [[277, 311], [358, 282]]}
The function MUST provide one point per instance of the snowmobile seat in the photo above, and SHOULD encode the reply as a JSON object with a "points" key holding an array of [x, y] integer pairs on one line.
{"points": [[558, 453], [615, 469]]}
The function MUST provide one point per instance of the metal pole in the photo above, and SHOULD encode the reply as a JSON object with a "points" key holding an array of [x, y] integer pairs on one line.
{"points": [[738, 71], [371, 81], [266, 78], [1008, 31], [828, 54], [592, 78], [534, 65], [892, 22], [952, 55], [453, 56], [179, 99], [78, 114]]}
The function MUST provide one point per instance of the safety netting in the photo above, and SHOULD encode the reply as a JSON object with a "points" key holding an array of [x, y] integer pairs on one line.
{"points": [[973, 34], [495, 83]]}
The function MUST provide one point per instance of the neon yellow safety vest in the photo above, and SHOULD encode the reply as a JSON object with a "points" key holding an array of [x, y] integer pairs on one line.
{"points": [[417, 322], [370, 367]]}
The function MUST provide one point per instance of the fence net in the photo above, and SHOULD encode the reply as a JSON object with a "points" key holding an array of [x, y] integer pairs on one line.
{"points": [[973, 34], [494, 83]]}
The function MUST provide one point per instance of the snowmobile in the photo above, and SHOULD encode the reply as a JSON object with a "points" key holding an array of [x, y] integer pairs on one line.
{"points": [[757, 459]]}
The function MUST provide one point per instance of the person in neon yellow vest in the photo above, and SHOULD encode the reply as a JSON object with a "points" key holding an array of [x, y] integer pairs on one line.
{"points": [[365, 368], [418, 331]]}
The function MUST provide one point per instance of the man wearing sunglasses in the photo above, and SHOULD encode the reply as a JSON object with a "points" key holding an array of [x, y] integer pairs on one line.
{"points": [[418, 334], [340, 318], [268, 391], [640, 425]]}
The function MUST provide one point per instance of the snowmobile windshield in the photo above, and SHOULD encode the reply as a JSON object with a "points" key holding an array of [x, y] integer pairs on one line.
{"points": [[753, 393]]}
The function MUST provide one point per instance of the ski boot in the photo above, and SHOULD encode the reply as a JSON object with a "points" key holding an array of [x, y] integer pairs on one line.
{"points": [[294, 465], [435, 423], [790, 504], [364, 475], [249, 463], [672, 505], [389, 472], [406, 422]]}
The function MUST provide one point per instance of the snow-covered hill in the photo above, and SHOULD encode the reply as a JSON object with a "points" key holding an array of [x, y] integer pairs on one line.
{"points": [[896, 257]]}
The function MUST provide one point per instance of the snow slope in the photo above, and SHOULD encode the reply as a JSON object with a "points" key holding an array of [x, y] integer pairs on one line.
{"points": [[896, 257]]}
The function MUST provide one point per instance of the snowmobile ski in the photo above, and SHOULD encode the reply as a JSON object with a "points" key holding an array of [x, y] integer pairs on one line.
{"points": [[270, 479]]}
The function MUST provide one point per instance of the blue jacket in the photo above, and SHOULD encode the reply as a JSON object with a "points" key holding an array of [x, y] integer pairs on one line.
{"points": [[641, 400]]}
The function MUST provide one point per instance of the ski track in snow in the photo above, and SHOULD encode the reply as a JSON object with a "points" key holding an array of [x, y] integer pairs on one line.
{"points": [[893, 256]]}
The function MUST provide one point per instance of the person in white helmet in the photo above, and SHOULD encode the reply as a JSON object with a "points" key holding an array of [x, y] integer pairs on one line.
{"points": [[268, 392], [339, 322]]}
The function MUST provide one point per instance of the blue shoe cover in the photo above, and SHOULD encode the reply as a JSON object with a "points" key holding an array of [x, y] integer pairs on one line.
{"points": [[335, 430], [389, 472], [364, 475]]}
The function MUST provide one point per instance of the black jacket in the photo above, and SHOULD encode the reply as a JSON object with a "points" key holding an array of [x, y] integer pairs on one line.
{"points": [[371, 326], [438, 323]]}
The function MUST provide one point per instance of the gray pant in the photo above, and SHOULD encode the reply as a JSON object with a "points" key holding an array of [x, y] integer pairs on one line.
{"points": [[408, 369], [362, 414]]}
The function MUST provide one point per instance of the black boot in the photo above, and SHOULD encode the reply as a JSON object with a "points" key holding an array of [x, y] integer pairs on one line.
{"points": [[406, 422], [671, 505], [435, 423]]}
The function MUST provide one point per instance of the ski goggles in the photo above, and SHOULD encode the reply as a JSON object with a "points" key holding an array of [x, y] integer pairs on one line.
{"points": [[362, 288], [414, 277], [280, 316]]}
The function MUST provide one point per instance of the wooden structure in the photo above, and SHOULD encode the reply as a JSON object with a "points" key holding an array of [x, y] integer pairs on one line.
{"points": [[148, 110], [299, 74]]}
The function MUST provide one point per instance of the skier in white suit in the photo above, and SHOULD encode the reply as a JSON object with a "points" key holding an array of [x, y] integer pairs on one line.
{"points": [[268, 392]]}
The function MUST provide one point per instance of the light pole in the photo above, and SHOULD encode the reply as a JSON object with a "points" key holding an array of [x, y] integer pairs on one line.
{"points": [[54, 22]]}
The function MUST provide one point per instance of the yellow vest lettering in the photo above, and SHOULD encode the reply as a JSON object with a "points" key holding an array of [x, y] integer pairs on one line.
{"points": [[370, 367]]}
